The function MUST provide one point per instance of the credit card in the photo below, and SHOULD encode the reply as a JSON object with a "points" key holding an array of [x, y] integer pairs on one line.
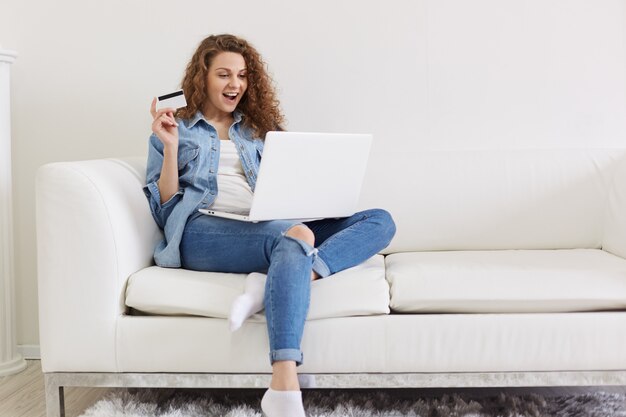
{"points": [[175, 100]]}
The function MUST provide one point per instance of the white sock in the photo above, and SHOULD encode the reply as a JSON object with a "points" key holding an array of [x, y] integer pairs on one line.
{"points": [[282, 403], [248, 303]]}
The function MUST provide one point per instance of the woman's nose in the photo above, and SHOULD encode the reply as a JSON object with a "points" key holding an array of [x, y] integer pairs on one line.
{"points": [[234, 82]]}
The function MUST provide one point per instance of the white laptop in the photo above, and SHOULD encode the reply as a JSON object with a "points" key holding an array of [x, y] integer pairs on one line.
{"points": [[307, 176]]}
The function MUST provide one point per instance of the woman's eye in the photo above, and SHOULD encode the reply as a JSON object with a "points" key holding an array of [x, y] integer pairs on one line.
{"points": [[222, 75], [243, 76]]}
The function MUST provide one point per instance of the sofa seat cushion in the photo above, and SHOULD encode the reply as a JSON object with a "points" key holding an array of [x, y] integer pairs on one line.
{"points": [[358, 291], [506, 281]]}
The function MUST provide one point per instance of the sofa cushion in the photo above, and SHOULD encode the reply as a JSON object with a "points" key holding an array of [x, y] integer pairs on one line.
{"points": [[498, 199], [358, 291], [507, 281]]}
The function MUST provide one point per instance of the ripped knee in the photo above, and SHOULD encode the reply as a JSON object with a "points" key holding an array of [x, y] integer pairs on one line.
{"points": [[301, 232]]}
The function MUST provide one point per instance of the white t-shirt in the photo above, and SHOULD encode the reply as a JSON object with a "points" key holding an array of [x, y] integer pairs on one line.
{"points": [[233, 191]]}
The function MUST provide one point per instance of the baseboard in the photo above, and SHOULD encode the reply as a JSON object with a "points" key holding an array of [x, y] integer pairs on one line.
{"points": [[29, 351]]}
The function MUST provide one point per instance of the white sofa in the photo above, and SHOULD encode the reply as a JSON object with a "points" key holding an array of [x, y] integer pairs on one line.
{"points": [[507, 269]]}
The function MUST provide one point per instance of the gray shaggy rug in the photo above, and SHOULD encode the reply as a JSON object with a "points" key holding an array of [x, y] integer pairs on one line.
{"points": [[357, 403]]}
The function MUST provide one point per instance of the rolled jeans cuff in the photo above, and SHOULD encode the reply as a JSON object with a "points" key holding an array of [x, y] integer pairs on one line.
{"points": [[287, 355], [320, 266]]}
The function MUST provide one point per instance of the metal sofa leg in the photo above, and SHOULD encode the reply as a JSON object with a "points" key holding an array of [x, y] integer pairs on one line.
{"points": [[55, 403]]}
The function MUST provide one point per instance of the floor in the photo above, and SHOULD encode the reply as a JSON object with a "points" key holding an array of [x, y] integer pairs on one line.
{"points": [[22, 395]]}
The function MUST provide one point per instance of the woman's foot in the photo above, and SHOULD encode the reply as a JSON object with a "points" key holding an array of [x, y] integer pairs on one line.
{"points": [[282, 403], [248, 303]]}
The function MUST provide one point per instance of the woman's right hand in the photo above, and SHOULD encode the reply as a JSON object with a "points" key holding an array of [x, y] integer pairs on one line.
{"points": [[164, 125]]}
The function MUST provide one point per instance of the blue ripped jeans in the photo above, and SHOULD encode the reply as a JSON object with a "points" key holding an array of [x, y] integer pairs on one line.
{"points": [[224, 245]]}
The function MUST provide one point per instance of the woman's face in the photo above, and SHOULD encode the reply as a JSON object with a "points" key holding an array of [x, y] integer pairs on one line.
{"points": [[227, 81]]}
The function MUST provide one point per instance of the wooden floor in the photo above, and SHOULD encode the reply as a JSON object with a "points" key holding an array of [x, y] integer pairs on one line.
{"points": [[22, 395]]}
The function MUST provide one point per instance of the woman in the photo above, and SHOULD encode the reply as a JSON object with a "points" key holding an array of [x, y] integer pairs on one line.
{"points": [[215, 144]]}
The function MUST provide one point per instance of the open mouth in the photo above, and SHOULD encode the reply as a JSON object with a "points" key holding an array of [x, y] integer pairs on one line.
{"points": [[231, 97]]}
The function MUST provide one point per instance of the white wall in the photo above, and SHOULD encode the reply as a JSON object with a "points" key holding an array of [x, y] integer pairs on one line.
{"points": [[418, 74]]}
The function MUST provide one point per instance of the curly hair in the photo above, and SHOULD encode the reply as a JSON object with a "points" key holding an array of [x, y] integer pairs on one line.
{"points": [[259, 104]]}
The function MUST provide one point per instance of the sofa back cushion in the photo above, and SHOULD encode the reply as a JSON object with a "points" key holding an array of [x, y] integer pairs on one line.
{"points": [[493, 199]]}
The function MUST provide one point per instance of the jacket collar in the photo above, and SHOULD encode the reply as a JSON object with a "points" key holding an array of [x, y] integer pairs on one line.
{"points": [[199, 116]]}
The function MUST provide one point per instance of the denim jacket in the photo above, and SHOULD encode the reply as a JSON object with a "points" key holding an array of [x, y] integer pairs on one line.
{"points": [[198, 159]]}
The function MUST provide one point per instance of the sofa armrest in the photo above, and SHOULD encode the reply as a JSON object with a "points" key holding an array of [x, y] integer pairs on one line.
{"points": [[614, 239], [94, 229]]}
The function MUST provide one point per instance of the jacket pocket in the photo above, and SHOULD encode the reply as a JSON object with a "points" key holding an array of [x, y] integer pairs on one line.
{"points": [[187, 164], [185, 156]]}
